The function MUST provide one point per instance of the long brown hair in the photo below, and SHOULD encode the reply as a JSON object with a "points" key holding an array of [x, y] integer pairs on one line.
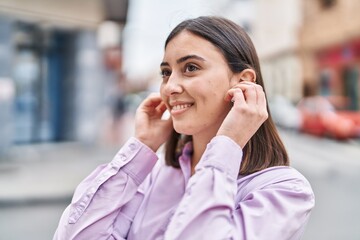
{"points": [[264, 149]]}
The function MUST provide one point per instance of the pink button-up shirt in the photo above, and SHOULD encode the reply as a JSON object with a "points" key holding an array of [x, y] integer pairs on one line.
{"points": [[138, 197]]}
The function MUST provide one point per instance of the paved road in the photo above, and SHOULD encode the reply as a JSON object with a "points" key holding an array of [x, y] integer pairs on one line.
{"points": [[37, 184], [332, 168]]}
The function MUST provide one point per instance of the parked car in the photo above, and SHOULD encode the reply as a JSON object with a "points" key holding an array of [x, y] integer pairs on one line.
{"points": [[319, 117], [284, 113]]}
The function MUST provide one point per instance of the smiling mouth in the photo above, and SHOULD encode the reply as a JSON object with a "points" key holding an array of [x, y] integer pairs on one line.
{"points": [[181, 106]]}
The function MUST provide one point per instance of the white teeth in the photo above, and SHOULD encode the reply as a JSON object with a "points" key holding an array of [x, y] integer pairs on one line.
{"points": [[181, 106]]}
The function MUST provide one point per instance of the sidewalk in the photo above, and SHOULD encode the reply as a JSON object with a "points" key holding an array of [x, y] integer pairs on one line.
{"points": [[47, 173]]}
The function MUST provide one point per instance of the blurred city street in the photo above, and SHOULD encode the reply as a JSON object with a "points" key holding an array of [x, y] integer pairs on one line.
{"points": [[332, 167], [70, 84], [38, 182]]}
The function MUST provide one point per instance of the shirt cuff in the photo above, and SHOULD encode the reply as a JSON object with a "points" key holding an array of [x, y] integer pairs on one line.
{"points": [[142, 159], [134, 158], [224, 154]]}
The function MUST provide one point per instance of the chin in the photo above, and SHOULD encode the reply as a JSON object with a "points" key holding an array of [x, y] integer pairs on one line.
{"points": [[183, 129]]}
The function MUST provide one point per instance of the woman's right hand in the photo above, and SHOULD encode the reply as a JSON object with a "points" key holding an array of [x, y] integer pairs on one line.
{"points": [[150, 128], [248, 113]]}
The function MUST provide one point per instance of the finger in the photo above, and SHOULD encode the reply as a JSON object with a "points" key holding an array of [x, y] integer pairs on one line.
{"points": [[228, 96], [245, 83], [153, 100], [236, 95], [249, 91], [260, 92], [149, 104], [261, 96], [161, 108], [261, 102]]}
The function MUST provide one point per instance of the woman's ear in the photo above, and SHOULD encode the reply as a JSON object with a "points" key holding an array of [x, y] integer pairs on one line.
{"points": [[245, 75]]}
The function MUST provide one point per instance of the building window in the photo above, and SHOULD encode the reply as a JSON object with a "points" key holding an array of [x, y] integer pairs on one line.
{"points": [[327, 3]]}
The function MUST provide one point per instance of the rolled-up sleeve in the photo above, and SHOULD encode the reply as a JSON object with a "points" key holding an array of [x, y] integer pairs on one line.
{"points": [[108, 195], [210, 208]]}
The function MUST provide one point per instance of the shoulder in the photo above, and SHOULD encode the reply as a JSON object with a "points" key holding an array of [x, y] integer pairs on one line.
{"points": [[279, 199], [285, 180], [273, 175]]}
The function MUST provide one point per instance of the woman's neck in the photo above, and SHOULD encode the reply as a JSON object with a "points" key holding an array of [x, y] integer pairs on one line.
{"points": [[199, 146]]}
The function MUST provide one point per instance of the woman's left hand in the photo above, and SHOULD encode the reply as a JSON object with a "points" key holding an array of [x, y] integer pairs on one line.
{"points": [[248, 113], [150, 128]]}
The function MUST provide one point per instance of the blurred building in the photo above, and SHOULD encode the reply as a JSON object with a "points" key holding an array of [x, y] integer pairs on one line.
{"points": [[50, 54], [330, 43], [147, 29], [275, 35], [64, 57]]}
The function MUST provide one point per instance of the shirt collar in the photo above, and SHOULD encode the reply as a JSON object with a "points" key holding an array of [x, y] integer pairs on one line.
{"points": [[185, 160]]}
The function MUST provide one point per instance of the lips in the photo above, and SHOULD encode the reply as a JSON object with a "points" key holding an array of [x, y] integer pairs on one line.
{"points": [[179, 107]]}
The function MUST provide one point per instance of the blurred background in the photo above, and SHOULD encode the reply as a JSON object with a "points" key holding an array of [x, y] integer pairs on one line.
{"points": [[72, 73]]}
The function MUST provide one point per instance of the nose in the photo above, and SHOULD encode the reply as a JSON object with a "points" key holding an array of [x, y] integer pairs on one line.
{"points": [[172, 86]]}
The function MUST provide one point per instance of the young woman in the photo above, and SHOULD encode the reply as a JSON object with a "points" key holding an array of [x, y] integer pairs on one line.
{"points": [[225, 174]]}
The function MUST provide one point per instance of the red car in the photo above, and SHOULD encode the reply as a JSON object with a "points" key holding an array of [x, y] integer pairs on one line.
{"points": [[320, 118]]}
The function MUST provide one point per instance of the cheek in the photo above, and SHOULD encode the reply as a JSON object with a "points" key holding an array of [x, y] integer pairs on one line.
{"points": [[162, 93], [218, 85], [219, 107], [217, 96]]}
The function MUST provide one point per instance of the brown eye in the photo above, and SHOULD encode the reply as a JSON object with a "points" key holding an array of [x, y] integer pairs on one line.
{"points": [[165, 73], [191, 68]]}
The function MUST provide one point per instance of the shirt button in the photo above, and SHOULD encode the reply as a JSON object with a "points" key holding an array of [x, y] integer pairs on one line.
{"points": [[188, 191], [181, 214], [103, 176], [132, 146], [79, 209], [86, 198], [115, 165], [122, 157], [82, 204], [92, 191]]}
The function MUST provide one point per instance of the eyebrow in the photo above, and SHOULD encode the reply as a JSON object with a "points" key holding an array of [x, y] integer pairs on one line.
{"points": [[183, 59]]}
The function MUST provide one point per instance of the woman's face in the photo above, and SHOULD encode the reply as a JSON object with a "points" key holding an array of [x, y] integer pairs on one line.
{"points": [[196, 78]]}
